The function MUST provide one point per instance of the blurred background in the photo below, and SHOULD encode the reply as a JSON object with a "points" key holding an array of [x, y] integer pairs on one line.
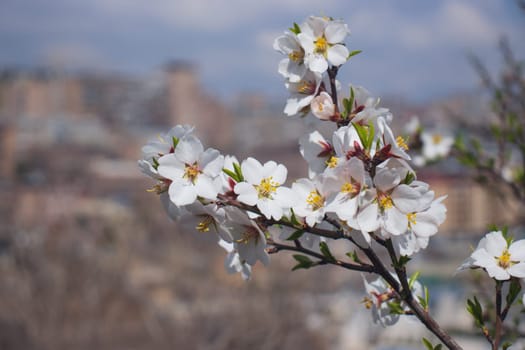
{"points": [[89, 259]]}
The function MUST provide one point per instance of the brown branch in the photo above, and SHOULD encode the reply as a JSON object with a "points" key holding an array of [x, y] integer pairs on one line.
{"points": [[323, 260]]}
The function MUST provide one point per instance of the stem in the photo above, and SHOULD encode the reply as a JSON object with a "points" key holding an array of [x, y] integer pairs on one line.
{"points": [[406, 295], [497, 331], [332, 73], [324, 260]]}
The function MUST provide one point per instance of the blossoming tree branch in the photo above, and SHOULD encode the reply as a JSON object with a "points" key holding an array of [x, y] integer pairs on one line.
{"points": [[360, 188]]}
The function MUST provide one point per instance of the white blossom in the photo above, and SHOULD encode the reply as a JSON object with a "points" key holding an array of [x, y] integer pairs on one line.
{"points": [[500, 259], [313, 198], [436, 145], [249, 241], [292, 67], [263, 187], [302, 93], [317, 152], [322, 106], [192, 170], [322, 40]]}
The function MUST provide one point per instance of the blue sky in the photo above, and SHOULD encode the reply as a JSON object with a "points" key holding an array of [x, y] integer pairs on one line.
{"points": [[415, 49]]}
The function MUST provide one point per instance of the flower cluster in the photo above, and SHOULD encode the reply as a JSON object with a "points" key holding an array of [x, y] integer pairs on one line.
{"points": [[360, 186]]}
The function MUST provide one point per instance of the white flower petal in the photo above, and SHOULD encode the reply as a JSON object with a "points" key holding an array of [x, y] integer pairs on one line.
{"points": [[181, 193], [337, 55], [517, 250]]}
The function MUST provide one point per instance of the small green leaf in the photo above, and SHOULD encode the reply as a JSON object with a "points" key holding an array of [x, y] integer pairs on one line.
{"points": [[514, 290], [427, 344], [402, 261], [353, 53], [293, 219], [354, 257], [413, 279], [155, 163], [295, 29], [175, 142], [506, 345], [395, 308], [362, 132], [230, 174], [296, 235], [238, 171], [326, 251], [475, 309], [409, 178], [303, 262]]}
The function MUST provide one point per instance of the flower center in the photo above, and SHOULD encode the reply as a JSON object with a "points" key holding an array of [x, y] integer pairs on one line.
{"points": [[296, 56], [306, 87], [332, 162], [321, 45], [352, 188], [191, 172], [250, 234], [385, 201], [436, 139], [204, 225], [401, 143], [504, 260], [266, 187], [315, 200], [411, 219]]}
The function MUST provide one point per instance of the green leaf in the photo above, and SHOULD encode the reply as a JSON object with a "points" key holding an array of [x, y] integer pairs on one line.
{"points": [[475, 309], [409, 178], [352, 98], [413, 279], [230, 174], [155, 163], [293, 219], [354, 257], [303, 262], [506, 345], [175, 142], [402, 261], [395, 308], [427, 344], [238, 171], [425, 300], [326, 251], [296, 235], [295, 29], [353, 53], [362, 132], [514, 290]]}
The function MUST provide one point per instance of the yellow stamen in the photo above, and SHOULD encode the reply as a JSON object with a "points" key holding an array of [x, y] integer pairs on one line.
{"points": [[296, 56], [251, 233], [401, 143], [436, 139], [158, 188], [504, 260], [368, 302], [315, 200], [306, 87], [332, 162], [191, 172], [321, 45], [385, 201], [204, 225], [266, 187], [411, 219]]}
